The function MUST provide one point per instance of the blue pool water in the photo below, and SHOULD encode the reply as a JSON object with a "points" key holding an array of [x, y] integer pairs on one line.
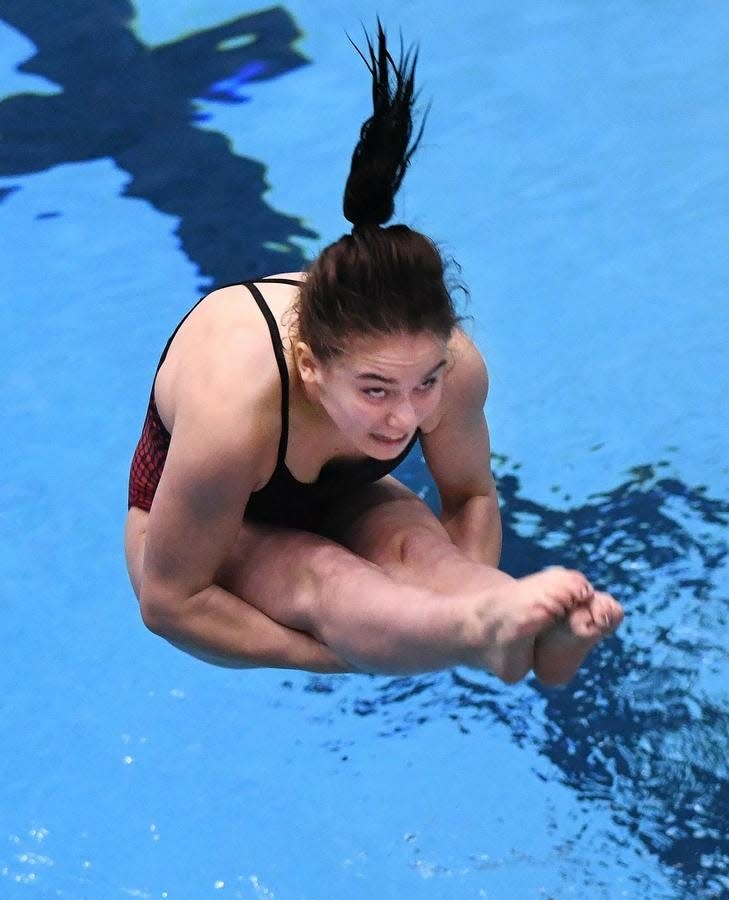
{"points": [[575, 166]]}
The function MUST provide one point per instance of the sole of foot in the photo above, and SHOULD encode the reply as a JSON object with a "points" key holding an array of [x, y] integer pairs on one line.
{"points": [[560, 650]]}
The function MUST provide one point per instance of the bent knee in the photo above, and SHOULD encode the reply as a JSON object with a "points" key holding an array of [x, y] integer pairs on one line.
{"points": [[388, 525], [411, 546], [423, 538]]}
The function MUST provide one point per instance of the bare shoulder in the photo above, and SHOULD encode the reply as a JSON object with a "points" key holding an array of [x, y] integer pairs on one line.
{"points": [[292, 276], [467, 376], [230, 341], [465, 385], [220, 386]]}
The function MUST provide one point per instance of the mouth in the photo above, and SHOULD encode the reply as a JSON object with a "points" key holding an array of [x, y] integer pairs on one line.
{"points": [[389, 442]]}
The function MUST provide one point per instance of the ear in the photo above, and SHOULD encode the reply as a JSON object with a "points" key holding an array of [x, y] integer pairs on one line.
{"points": [[307, 363]]}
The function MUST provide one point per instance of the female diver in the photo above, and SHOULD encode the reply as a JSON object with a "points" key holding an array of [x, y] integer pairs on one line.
{"points": [[263, 526]]}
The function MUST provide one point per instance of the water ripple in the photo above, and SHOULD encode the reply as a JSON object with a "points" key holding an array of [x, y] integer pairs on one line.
{"points": [[644, 726]]}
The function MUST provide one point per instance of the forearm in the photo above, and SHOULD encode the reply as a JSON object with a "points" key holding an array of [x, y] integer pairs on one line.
{"points": [[475, 528], [222, 629]]}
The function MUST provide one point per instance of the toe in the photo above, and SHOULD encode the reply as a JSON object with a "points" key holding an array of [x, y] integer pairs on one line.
{"points": [[581, 588], [607, 612], [582, 623]]}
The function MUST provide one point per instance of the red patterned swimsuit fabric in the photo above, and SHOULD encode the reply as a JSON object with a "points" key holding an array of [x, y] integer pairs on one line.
{"points": [[149, 459]]}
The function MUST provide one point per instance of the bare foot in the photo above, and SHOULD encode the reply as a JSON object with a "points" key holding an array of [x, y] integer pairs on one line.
{"points": [[516, 611], [560, 650]]}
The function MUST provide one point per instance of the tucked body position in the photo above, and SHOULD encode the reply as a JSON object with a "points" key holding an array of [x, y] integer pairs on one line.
{"points": [[264, 526]]}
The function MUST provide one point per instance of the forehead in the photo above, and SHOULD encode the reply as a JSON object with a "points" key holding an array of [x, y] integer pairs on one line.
{"points": [[390, 354]]}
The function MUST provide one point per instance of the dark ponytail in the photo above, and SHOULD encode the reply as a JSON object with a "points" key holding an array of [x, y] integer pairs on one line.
{"points": [[376, 280], [384, 149]]}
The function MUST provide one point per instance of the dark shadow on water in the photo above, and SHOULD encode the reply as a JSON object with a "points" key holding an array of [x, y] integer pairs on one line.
{"points": [[135, 104], [644, 727]]}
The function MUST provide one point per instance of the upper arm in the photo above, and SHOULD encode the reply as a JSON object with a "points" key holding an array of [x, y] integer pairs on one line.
{"points": [[458, 450], [219, 447]]}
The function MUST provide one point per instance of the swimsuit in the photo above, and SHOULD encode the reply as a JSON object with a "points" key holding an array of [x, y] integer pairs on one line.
{"points": [[282, 500]]}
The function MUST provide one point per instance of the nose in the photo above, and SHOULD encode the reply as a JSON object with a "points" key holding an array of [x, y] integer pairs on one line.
{"points": [[403, 417]]}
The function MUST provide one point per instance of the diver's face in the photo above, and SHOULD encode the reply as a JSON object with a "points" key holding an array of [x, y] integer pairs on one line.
{"points": [[382, 388]]}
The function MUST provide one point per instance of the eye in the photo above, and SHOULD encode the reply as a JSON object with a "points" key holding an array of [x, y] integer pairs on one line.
{"points": [[376, 393], [428, 384]]}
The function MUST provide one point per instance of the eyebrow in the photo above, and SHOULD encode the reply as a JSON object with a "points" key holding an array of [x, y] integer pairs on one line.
{"points": [[373, 376]]}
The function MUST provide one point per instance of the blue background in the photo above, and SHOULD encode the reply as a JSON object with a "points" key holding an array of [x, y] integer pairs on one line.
{"points": [[574, 164]]}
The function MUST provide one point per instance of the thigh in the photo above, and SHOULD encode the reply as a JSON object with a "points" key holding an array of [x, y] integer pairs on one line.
{"points": [[380, 521], [277, 570], [374, 523]]}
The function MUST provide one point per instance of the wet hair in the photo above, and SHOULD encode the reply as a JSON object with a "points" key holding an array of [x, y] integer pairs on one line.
{"points": [[377, 280]]}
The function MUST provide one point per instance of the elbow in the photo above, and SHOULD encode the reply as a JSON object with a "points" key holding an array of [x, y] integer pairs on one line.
{"points": [[156, 614]]}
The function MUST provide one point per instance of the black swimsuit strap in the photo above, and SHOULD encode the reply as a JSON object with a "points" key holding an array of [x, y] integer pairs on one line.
{"points": [[277, 281], [281, 361]]}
